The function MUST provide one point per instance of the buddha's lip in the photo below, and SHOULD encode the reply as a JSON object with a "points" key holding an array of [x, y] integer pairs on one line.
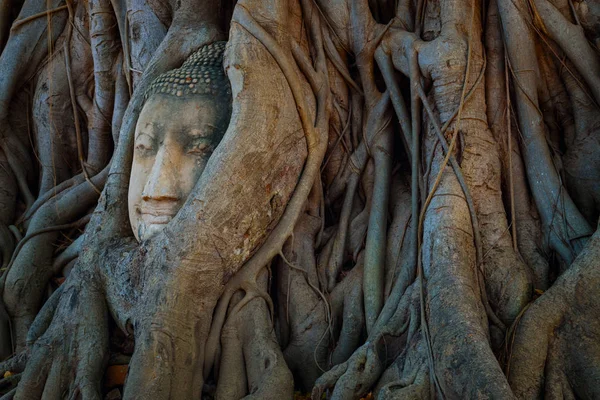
{"points": [[158, 212], [152, 218], [158, 215]]}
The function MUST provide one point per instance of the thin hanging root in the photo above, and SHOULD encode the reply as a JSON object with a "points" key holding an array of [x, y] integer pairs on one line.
{"points": [[337, 62], [336, 259], [325, 303], [313, 287], [509, 338], [513, 216], [316, 139], [73, 101], [358, 161], [55, 191], [47, 13], [573, 42], [82, 221], [319, 238], [338, 140]]}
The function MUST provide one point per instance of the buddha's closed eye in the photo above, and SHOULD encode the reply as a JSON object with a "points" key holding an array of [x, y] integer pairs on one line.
{"points": [[200, 147], [144, 144]]}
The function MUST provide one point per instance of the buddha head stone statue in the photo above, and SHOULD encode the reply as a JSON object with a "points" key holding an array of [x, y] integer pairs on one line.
{"points": [[185, 114]]}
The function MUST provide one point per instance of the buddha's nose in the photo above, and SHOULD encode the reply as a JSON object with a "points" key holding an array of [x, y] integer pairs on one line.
{"points": [[162, 183]]}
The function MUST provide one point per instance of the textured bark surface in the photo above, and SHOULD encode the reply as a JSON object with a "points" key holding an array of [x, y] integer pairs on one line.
{"points": [[404, 204]]}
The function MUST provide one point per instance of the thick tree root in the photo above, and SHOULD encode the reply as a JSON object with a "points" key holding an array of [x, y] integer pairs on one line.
{"points": [[266, 372], [556, 350], [15, 364], [347, 306], [317, 145], [72, 362], [23, 282], [416, 389], [553, 203], [354, 378], [196, 297], [304, 317]]}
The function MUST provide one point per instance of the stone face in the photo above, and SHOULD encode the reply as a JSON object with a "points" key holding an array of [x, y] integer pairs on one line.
{"points": [[180, 125]]}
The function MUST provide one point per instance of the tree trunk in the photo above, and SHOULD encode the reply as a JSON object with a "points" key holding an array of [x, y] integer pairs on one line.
{"points": [[404, 203]]}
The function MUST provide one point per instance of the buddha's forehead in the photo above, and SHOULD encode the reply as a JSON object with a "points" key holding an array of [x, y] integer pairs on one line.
{"points": [[163, 108], [196, 115]]}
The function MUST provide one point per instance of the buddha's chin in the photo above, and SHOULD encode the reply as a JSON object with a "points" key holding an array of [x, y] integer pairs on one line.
{"points": [[148, 229]]}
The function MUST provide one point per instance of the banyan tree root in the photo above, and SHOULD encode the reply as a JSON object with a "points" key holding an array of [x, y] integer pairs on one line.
{"points": [[496, 193], [317, 145], [553, 203], [357, 375], [582, 158], [31, 267], [71, 363], [353, 378], [303, 316], [555, 348], [189, 324], [472, 322], [47, 215], [524, 222], [145, 322], [24, 51], [252, 361]]}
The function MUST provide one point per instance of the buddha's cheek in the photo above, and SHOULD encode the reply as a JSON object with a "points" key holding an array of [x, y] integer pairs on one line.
{"points": [[137, 182], [191, 170]]}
